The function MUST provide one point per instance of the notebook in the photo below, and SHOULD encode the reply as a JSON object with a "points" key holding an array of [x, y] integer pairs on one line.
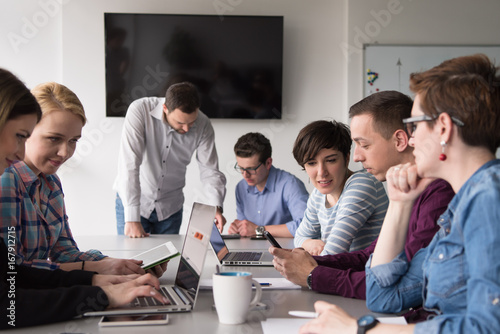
{"points": [[238, 258], [182, 295]]}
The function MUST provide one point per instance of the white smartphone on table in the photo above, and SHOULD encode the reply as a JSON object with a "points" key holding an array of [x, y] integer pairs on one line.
{"points": [[134, 320]]}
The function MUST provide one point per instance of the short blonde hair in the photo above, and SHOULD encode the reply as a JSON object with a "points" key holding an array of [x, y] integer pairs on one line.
{"points": [[53, 96]]}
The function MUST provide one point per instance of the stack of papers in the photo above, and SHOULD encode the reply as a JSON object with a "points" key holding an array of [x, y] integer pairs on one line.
{"points": [[292, 325], [266, 283]]}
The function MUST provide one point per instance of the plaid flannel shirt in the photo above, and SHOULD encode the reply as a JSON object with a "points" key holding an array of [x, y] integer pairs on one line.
{"points": [[41, 230]]}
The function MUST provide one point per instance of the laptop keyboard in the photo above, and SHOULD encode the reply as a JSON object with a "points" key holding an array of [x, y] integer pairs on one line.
{"points": [[244, 256], [150, 301]]}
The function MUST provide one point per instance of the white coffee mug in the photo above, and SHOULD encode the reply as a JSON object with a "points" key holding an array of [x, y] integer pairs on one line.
{"points": [[233, 295]]}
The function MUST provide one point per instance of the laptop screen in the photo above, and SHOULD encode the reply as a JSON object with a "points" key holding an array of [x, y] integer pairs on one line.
{"points": [[218, 243], [187, 278], [195, 248]]}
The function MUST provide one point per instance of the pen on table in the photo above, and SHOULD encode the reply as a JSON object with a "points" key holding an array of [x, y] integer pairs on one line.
{"points": [[265, 284], [303, 314]]}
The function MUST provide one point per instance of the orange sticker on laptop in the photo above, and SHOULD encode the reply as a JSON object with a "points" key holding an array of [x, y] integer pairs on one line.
{"points": [[198, 235]]}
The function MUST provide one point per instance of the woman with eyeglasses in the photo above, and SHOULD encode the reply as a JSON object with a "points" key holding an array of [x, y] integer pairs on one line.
{"points": [[455, 128], [346, 210]]}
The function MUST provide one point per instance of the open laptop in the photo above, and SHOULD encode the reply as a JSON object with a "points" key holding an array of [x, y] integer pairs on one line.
{"points": [[182, 295], [238, 258]]}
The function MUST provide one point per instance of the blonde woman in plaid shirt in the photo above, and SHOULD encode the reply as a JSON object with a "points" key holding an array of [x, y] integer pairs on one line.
{"points": [[32, 200]]}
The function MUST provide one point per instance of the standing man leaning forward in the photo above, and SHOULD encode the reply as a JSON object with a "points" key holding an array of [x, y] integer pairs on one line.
{"points": [[267, 198], [381, 142], [159, 138]]}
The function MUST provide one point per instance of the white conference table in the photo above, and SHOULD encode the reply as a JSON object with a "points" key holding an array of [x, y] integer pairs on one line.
{"points": [[203, 319]]}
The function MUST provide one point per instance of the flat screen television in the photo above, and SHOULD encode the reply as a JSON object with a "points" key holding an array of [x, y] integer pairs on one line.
{"points": [[236, 62]]}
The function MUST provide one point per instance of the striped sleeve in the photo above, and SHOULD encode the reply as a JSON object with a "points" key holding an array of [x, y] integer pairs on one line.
{"points": [[359, 215], [310, 227]]}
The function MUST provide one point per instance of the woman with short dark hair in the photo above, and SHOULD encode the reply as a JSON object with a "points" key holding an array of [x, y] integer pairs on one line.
{"points": [[345, 211]]}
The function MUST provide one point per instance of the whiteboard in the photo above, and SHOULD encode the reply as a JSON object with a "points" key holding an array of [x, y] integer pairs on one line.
{"points": [[388, 67]]}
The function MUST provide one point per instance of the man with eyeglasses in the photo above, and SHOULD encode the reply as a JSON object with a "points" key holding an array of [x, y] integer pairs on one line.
{"points": [[267, 198], [382, 141]]}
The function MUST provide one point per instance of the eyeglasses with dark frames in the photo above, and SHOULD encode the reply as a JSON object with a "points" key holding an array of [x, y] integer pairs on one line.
{"points": [[411, 123], [251, 171]]}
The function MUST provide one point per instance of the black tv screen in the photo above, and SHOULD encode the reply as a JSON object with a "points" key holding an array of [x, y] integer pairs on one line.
{"points": [[234, 61]]}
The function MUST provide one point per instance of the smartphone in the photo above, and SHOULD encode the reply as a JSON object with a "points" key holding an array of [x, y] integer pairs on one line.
{"points": [[134, 320], [271, 239]]}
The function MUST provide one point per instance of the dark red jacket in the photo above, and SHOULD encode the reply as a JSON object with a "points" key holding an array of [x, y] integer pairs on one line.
{"points": [[344, 274]]}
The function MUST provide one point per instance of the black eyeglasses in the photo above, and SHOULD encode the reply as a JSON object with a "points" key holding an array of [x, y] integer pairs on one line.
{"points": [[251, 171], [411, 123]]}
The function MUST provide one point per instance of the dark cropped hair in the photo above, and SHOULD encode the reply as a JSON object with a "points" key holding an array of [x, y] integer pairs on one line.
{"points": [[253, 143], [183, 96], [15, 98], [319, 135], [387, 108], [468, 89]]}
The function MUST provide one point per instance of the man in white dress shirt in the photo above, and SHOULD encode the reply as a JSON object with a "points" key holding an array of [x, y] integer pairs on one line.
{"points": [[159, 138]]}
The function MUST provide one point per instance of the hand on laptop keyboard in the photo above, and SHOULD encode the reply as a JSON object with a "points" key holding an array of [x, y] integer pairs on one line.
{"points": [[124, 293]]}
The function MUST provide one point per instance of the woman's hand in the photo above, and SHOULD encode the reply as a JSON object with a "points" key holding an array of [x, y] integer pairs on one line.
{"points": [[143, 286], [404, 184], [313, 246], [112, 266], [331, 319], [103, 280], [159, 269]]}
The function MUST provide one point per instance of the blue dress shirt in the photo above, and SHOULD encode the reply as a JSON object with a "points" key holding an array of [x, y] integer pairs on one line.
{"points": [[282, 201]]}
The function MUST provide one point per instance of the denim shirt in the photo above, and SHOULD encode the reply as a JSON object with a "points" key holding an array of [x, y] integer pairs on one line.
{"points": [[458, 275]]}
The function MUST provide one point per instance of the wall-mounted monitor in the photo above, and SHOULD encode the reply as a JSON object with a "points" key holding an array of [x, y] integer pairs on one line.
{"points": [[236, 62]]}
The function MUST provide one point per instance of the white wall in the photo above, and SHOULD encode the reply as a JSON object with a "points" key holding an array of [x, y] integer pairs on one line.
{"points": [[313, 88], [31, 40], [458, 22], [416, 22], [321, 80]]}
